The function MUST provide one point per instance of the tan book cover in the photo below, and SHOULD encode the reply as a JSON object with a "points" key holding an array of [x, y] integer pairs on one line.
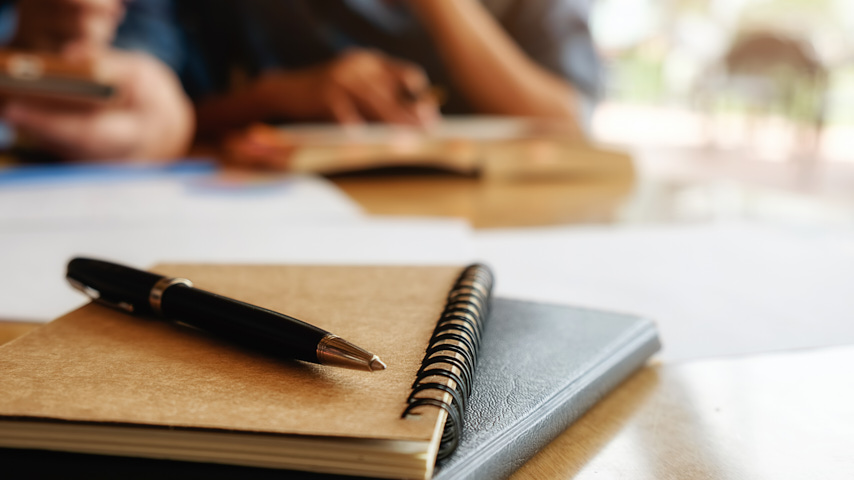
{"points": [[100, 381]]}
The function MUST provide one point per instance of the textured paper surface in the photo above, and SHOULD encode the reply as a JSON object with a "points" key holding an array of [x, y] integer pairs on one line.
{"points": [[100, 365]]}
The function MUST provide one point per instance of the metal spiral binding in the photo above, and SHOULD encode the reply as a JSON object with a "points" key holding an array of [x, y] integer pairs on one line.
{"points": [[452, 352]]}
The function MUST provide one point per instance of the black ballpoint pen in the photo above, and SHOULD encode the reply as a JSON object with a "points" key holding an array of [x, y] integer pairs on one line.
{"points": [[139, 292]]}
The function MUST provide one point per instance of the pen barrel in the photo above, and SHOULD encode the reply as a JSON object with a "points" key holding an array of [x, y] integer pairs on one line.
{"points": [[254, 327], [114, 284]]}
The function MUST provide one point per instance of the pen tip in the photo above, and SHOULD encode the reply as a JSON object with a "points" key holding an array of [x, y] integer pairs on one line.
{"points": [[332, 350], [376, 364]]}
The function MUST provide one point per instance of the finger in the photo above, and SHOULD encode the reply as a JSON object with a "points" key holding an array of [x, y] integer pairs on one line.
{"points": [[265, 146], [410, 77], [95, 30], [73, 133], [256, 156], [380, 99], [343, 109], [412, 80], [377, 94], [372, 83], [363, 78], [427, 112], [79, 50]]}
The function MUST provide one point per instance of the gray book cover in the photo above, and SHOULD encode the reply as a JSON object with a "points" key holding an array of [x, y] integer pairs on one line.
{"points": [[540, 368]]}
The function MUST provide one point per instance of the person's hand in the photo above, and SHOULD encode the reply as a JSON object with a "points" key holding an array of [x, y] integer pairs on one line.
{"points": [[358, 86], [151, 118], [69, 27], [258, 146]]}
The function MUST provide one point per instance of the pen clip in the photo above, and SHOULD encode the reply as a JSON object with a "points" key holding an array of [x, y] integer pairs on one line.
{"points": [[95, 295]]}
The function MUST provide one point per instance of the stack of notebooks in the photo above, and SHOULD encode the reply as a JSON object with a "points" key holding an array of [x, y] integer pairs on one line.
{"points": [[101, 393]]}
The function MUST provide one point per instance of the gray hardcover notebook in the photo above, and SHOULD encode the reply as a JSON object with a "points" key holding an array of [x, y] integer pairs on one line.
{"points": [[540, 367]]}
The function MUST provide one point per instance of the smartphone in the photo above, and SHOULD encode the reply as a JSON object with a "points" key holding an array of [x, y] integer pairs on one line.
{"points": [[45, 76]]}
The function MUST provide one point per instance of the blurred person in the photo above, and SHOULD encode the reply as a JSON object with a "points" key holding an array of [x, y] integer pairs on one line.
{"points": [[151, 117], [355, 61]]}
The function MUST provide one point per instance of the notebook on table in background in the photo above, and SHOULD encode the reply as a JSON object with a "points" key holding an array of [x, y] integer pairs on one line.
{"points": [[494, 147], [99, 381]]}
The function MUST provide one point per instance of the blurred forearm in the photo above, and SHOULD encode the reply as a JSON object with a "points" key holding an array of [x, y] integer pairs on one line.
{"points": [[282, 94], [492, 71], [357, 86], [218, 114]]}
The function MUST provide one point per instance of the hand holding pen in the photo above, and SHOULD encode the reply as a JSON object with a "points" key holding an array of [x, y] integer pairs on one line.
{"points": [[357, 87]]}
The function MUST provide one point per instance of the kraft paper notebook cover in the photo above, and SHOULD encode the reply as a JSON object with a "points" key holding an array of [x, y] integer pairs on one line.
{"points": [[518, 404], [116, 384]]}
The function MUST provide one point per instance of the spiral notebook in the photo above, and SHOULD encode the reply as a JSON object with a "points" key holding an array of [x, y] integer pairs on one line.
{"points": [[96, 381], [100, 381]]}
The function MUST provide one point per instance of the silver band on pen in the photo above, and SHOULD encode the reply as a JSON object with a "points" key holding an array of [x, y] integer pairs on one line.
{"points": [[156, 294]]}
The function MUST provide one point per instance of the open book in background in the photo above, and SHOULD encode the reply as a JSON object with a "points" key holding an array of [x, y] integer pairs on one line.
{"points": [[100, 381], [504, 148]]}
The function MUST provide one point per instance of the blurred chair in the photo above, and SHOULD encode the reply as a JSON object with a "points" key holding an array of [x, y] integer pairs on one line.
{"points": [[766, 74]]}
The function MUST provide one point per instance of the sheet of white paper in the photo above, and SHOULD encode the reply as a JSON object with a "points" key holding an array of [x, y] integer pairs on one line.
{"points": [[713, 289], [87, 196], [33, 286]]}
